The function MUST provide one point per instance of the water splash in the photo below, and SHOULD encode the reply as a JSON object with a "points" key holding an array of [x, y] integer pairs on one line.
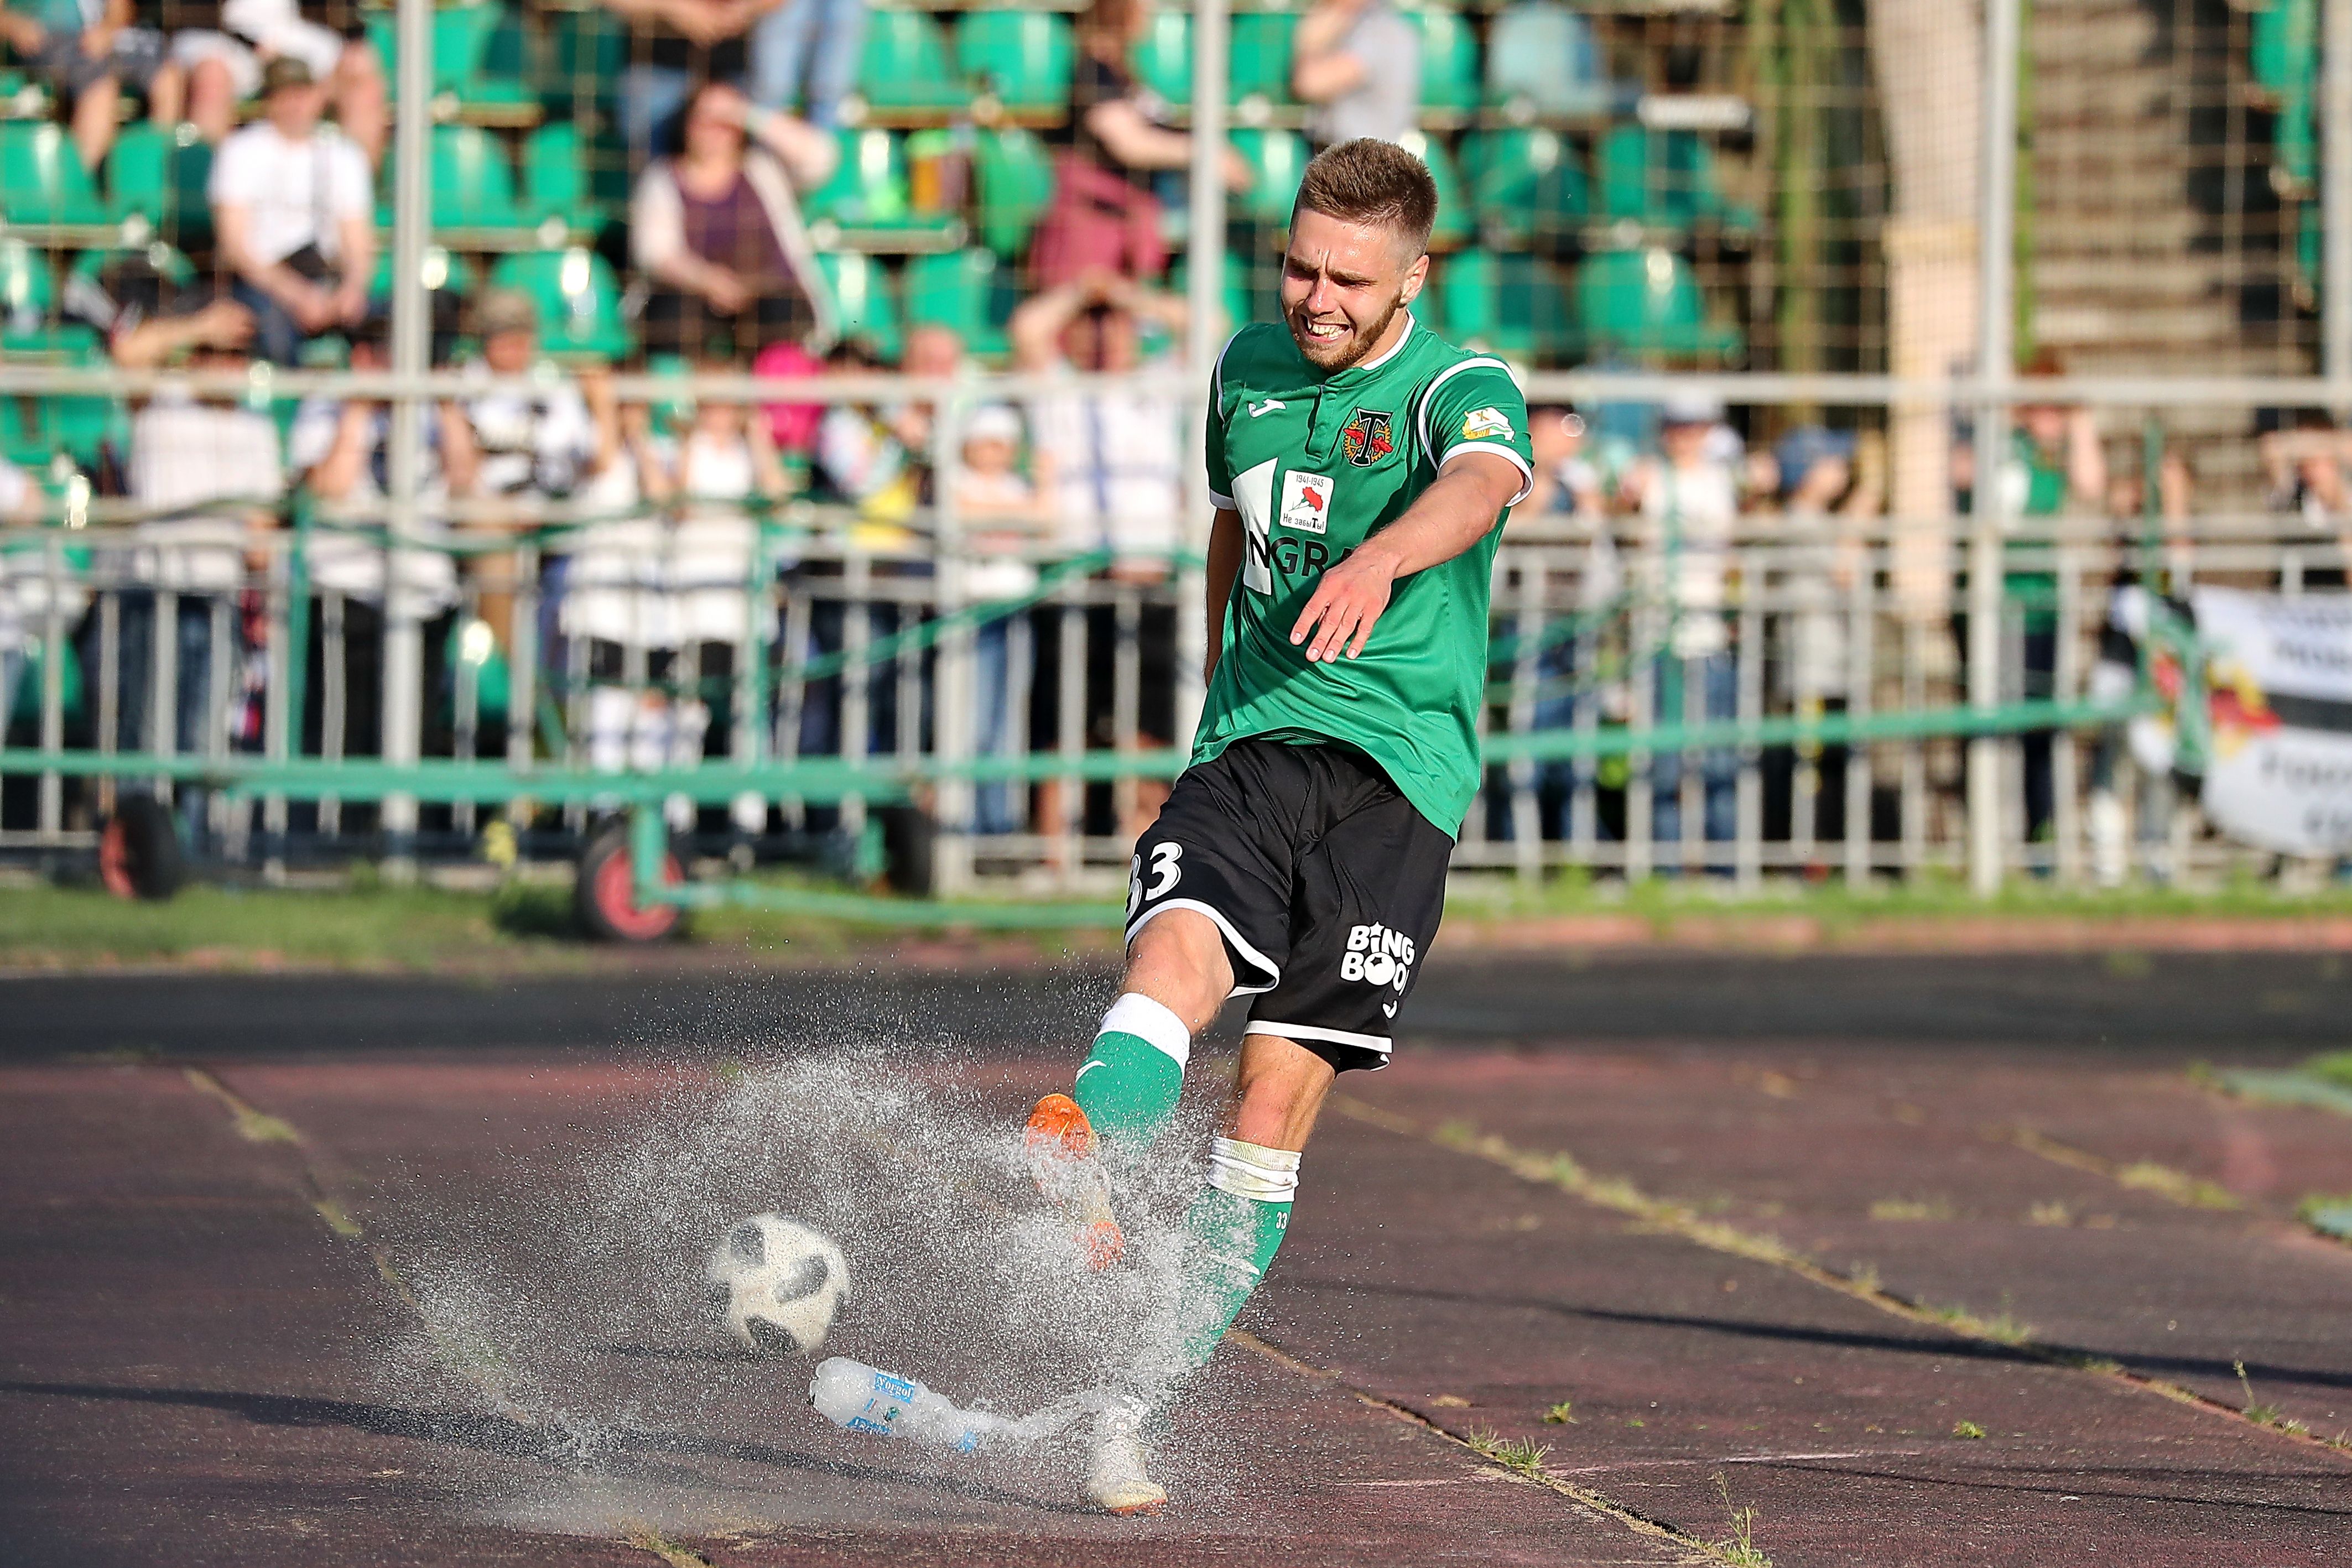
{"points": [[562, 1291]]}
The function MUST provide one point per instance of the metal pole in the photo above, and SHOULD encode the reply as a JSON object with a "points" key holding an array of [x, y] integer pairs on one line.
{"points": [[2336, 199], [1204, 303], [1996, 233], [404, 648]]}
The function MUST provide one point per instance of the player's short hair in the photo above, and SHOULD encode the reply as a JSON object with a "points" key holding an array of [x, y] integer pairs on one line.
{"points": [[1372, 182]]}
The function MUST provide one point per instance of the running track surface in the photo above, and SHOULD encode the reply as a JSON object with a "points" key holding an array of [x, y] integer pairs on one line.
{"points": [[1822, 1219]]}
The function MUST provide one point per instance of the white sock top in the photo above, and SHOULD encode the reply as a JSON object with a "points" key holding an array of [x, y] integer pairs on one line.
{"points": [[1136, 1014], [1253, 1171]]}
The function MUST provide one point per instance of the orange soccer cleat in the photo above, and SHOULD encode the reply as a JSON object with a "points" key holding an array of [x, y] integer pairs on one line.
{"points": [[1063, 1157]]}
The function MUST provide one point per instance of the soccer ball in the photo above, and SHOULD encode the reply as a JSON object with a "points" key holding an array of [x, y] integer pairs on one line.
{"points": [[777, 1283]]}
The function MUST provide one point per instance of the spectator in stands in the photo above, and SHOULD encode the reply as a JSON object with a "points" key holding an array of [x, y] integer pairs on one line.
{"points": [[718, 229], [1566, 483], [2306, 469], [1110, 462], [1103, 213], [1358, 63], [24, 584], [859, 452], [677, 43], [224, 68], [294, 208], [2054, 466], [718, 470], [1003, 523], [205, 469], [90, 52], [1110, 459], [811, 42], [1688, 499], [1829, 484], [530, 448]]}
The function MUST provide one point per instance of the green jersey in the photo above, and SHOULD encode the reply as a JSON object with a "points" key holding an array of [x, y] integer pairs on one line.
{"points": [[1315, 463]]}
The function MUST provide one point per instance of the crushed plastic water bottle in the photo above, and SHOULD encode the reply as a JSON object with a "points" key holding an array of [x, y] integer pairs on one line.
{"points": [[856, 1397]]}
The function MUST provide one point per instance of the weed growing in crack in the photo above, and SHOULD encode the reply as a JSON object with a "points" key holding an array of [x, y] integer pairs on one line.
{"points": [[1966, 1429], [1562, 1414], [2263, 1413], [1738, 1548], [1522, 1456]]}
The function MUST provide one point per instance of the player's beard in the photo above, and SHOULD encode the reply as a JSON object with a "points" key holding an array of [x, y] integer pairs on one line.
{"points": [[1348, 353]]}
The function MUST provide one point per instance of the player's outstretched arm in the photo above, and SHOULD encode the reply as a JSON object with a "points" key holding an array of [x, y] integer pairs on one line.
{"points": [[1454, 513]]}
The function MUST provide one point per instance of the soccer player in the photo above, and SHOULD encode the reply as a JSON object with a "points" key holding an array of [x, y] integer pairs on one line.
{"points": [[1360, 468]]}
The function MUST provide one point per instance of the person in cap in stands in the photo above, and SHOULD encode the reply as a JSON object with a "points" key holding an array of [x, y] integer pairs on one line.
{"points": [[294, 209]]}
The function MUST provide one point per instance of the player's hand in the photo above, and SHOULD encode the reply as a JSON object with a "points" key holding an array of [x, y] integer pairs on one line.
{"points": [[1348, 601]]}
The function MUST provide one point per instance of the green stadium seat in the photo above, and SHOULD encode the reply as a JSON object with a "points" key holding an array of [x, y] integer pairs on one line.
{"points": [[1278, 161], [1527, 183], [1449, 60], [1163, 58], [462, 36], [1013, 182], [1240, 307], [584, 53], [862, 293], [868, 189], [1454, 226], [474, 181], [42, 181], [555, 178], [1647, 301], [444, 272], [1661, 179], [968, 291], [579, 301], [28, 327], [1509, 304], [904, 64], [1260, 61], [1022, 57]]}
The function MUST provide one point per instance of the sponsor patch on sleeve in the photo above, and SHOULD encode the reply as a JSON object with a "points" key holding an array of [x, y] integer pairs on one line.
{"points": [[1485, 424]]}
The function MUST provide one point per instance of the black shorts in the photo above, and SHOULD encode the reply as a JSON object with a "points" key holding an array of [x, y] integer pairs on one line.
{"points": [[1326, 882]]}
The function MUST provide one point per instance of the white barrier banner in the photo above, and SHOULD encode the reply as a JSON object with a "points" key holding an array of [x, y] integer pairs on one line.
{"points": [[2299, 646], [2285, 790], [2280, 672]]}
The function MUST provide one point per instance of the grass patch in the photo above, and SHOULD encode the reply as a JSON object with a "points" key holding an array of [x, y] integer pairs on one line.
{"points": [[1905, 1209], [1521, 1456], [2334, 1067], [1561, 1414], [1662, 901], [2175, 1186], [1967, 1429], [371, 926], [2000, 1328], [2053, 1214], [1738, 1548]]}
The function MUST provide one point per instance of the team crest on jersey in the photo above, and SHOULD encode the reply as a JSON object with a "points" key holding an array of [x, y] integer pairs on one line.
{"points": [[1485, 424], [1366, 435], [1305, 502]]}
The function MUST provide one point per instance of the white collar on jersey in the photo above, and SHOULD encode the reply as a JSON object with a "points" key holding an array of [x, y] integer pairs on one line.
{"points": [[1410, 321]]}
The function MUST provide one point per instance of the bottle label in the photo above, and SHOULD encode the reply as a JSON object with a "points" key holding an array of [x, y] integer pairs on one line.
{"points": [[889, 1387], [860, 1423]]}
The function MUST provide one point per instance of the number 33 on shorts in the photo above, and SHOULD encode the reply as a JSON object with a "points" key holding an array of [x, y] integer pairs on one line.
{"points": [[1164, 875]]}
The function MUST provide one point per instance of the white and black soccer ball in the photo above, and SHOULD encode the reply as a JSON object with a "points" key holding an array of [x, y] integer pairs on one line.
{"points": [[777, 1283]]}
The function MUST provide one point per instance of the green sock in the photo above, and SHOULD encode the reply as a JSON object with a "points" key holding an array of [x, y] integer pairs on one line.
{"points": [[1231, 1237], [1129, 1083]]}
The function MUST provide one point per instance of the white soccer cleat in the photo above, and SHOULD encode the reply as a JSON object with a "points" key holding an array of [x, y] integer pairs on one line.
{"points": [[1116, 1482]]}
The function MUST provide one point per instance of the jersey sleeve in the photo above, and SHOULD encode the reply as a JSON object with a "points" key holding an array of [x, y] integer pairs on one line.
{"points": [[1474, 405], [1212, 444]]}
